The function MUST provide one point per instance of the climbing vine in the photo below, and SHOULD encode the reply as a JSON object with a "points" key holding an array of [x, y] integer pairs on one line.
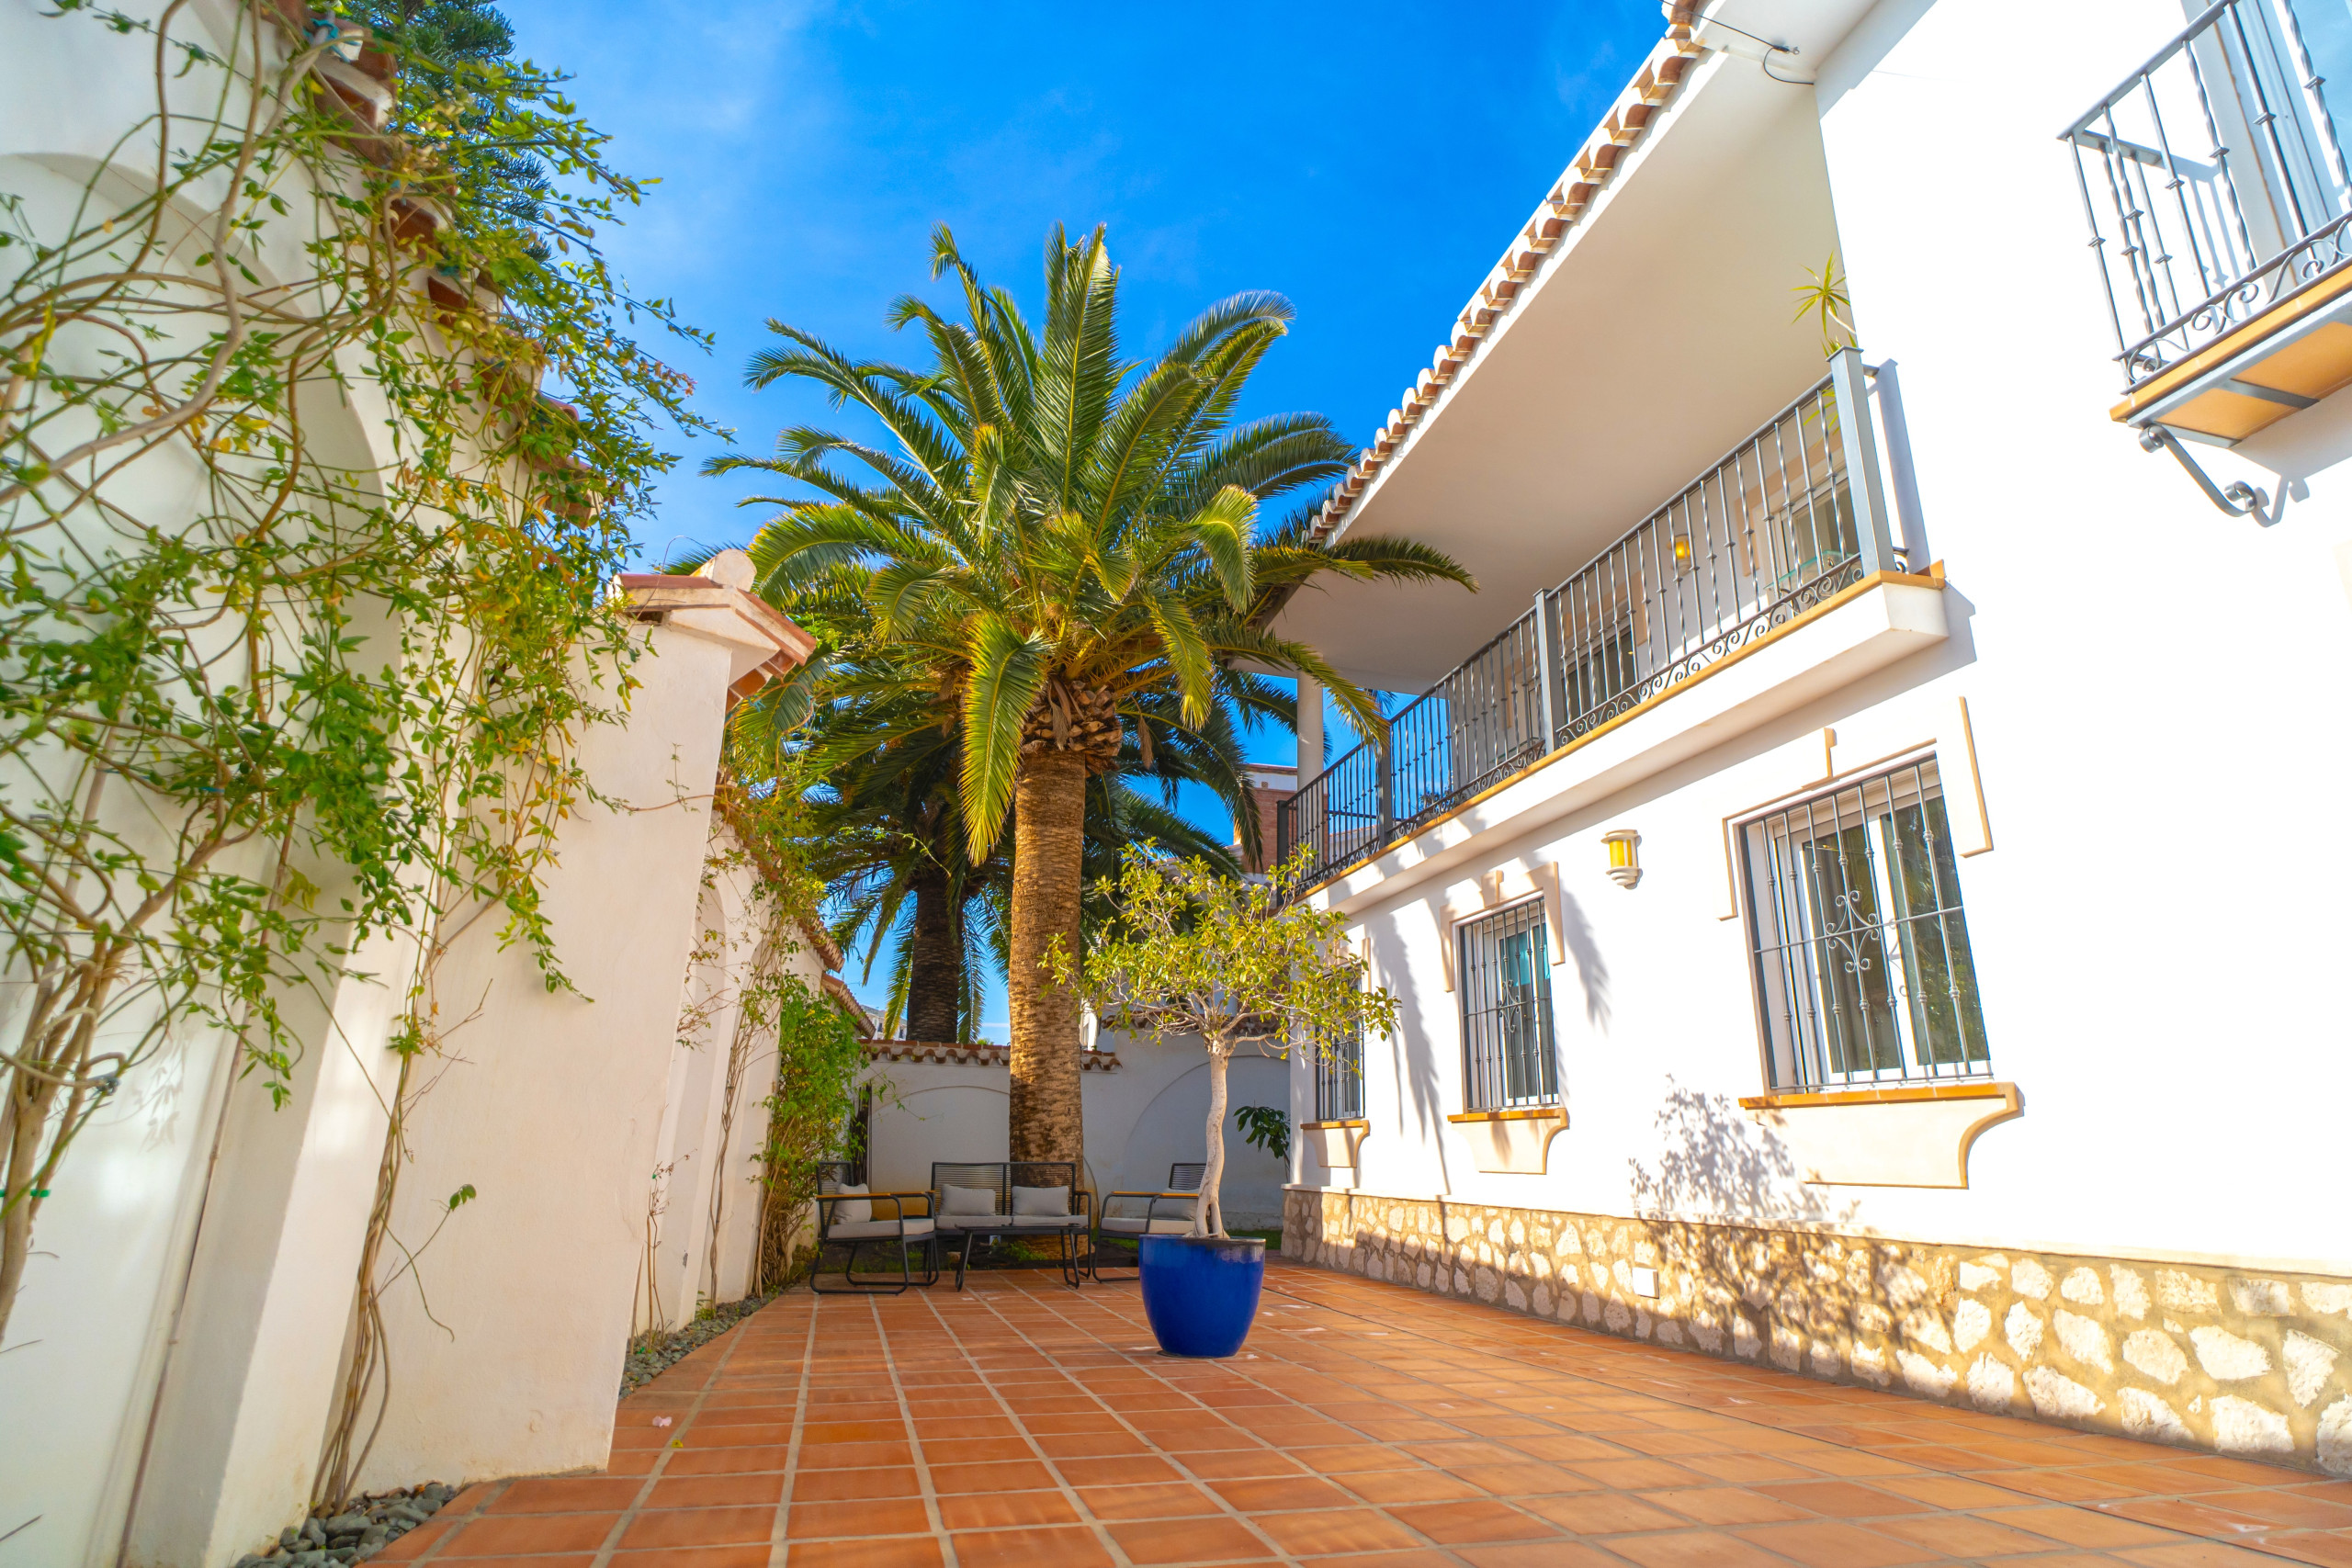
{"points": [[301, 569]]}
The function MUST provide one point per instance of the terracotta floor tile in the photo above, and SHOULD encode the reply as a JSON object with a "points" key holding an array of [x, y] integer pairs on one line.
{"points": [[566, 1494], [1724, 1505], [1601, 1514], [745, 1415], [1959, 1535], [728, 1461], [841, 1485], [1707, 1551], [2197, 1554], [819, 1433], [1004, 1510], [745, 1434], [738, 1556], [698, 1526], [977, 1451], [1630, 1474], [1129, 1472], [1422, 1485], [1530, 1479], [1283, 1493], [1027, 1475], [1073, 1548], [1160, 1502], [1190, 1540], [717, 1491], [1336, 1530], [1843, 1499], [923, 1553], [1239, 1465], [506, 1535], [1830, 1543], [1530, 1554], [870, 1516], [2331, 1549], [1450, 1524], [2283, 1507]]}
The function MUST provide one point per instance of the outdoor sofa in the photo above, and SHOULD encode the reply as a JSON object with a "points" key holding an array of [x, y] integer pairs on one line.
{"points": [[1012, 1198]]}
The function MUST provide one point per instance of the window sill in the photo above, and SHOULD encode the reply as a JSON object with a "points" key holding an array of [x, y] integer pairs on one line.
{"points": [[1896, 1135], [1880, 1094], [1335, 1145], [1517, 1142], [1517, 1113]]}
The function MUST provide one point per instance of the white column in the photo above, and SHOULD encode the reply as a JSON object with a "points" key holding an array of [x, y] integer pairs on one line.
{"points": [[1310, 727]]}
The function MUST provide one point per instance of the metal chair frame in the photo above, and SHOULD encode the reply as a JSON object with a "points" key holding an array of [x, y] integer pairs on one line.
{"points": [[880, 1284]]}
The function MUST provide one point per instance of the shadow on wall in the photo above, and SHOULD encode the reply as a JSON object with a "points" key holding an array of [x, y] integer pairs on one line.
{"points": [[1592, 969], [1416, 1071], [1725, 1208]]}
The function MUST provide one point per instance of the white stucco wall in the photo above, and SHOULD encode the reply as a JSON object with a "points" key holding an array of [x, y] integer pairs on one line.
{"points": [[2156, 693], [508, 1341]]}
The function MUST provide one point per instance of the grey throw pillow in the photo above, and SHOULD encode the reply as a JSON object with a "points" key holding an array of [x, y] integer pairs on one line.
{"points": [[1041, 1199]]}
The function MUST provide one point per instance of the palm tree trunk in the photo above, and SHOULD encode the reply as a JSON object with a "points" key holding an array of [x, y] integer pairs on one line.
{"points": [[1049, 820], [935, 964]]}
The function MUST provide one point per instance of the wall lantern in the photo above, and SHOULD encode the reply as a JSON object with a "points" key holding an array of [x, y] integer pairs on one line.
{"points": [[1682, 553], [1624, 865]]}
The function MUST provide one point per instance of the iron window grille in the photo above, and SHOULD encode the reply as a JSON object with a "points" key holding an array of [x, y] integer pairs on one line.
{"points": [[1862, 967], [1338, 1079], [1507, 1055]]}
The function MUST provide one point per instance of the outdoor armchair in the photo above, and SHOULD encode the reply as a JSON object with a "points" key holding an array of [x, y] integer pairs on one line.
{"points": [[859, 1219], [1128, 1217], [1012, 1198]]}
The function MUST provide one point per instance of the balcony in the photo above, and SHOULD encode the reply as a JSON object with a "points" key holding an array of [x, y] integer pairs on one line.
{"points": [[2216, 191], [1790, 519]]}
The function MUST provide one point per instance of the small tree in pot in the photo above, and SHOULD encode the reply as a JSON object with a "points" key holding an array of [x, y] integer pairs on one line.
{"points": [[1234, 963]]}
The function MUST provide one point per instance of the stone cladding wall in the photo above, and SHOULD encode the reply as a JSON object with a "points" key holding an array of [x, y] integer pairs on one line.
{"points": [[2257, 1365]]}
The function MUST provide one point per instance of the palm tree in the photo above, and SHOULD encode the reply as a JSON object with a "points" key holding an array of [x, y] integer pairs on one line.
{"points": [[886, 838], [1062, 547]]}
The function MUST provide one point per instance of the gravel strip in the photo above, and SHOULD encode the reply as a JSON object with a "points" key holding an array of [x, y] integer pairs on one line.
{"points": [[651, 1354]]}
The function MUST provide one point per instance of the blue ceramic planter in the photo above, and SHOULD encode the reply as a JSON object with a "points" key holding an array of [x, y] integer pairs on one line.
{"points": [[1201, 1296]]}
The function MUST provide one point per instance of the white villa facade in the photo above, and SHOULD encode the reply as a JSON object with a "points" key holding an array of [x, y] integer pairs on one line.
{"points": [[1863, 887]]}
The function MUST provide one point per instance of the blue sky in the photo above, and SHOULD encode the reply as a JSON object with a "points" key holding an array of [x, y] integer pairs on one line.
{"points": [[1368, 161]]}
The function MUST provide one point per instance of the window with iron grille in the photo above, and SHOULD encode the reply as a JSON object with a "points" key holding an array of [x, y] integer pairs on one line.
{"points": [[1862, 967], [1506, 985], [1338, 1079]]}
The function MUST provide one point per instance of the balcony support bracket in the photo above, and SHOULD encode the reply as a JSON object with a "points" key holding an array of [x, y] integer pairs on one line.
{"points": [[2238, 498]]}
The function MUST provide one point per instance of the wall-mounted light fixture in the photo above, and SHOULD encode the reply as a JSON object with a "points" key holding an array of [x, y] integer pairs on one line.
{"points": [[1682, 553], [1625, 864]]}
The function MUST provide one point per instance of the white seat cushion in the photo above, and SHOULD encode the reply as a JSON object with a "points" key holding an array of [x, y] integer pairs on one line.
{"points": [[970, 1222], [867, 1230], [1133, 1225], [1043, 1223]]}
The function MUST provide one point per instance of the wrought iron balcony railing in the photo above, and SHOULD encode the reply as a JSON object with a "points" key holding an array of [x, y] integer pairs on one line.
{"points": [[1790, 517], [2214, 182]]}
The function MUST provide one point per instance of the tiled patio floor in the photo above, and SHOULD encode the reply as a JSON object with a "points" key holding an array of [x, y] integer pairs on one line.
{"points": [[1365, 1426]]}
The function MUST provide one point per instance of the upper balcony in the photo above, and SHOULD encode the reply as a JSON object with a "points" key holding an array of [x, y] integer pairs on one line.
{"points": [[1790, 520], [2221, 213]]}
